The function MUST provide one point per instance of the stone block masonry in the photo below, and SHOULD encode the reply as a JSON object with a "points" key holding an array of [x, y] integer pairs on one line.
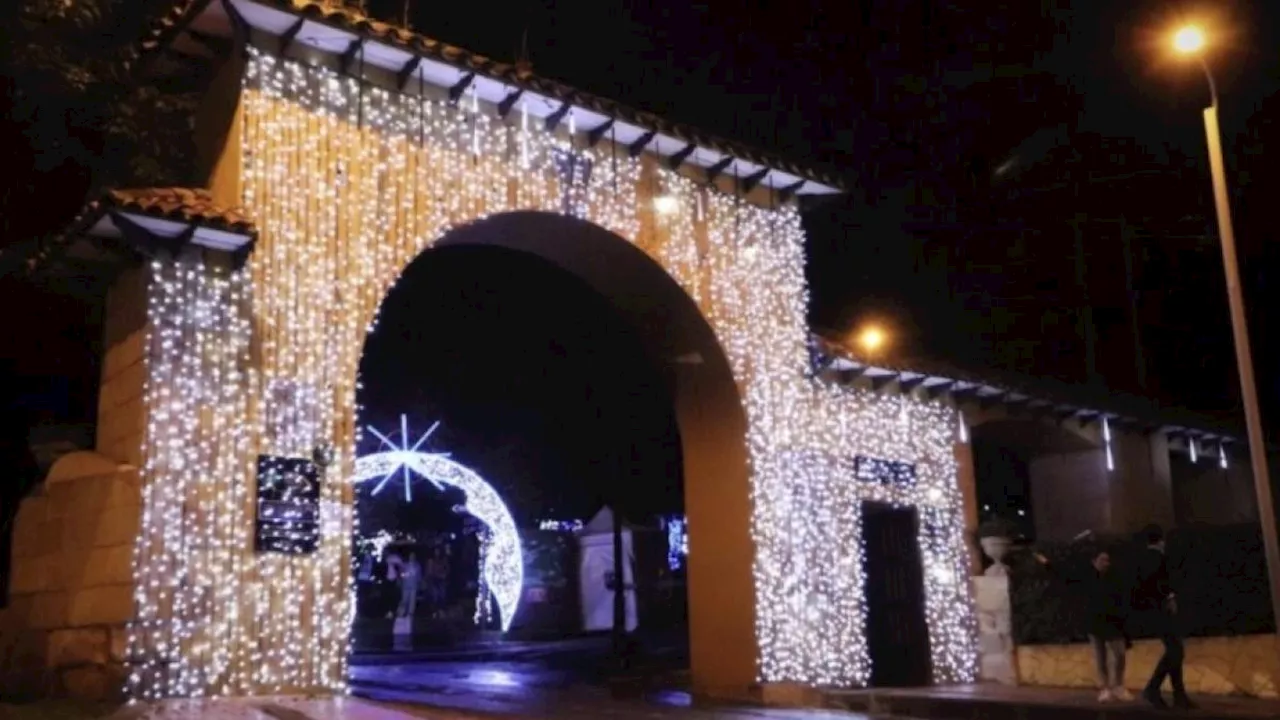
{"points": [[121, 405], [1239, 665], [71, 594]]}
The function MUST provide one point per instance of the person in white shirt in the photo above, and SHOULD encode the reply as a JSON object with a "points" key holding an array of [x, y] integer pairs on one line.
{"points": [[410, 575]]}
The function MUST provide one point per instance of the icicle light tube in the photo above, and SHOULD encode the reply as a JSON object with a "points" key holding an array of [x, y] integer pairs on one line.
{"points": [[348, 185]]}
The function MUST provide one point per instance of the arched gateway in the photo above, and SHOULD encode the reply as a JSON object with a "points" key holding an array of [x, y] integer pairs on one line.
{"points": [[253, 325]]}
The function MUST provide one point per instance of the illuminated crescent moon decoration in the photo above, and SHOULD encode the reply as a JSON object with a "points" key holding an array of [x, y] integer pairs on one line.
{"points": [[503, 568]]}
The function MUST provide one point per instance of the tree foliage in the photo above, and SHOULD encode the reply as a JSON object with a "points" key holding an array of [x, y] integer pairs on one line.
{"points": [[77, 114]]}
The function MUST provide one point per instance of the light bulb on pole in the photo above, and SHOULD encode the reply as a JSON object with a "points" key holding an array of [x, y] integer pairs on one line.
{"points": [[1188, 39], [1191, 41]]}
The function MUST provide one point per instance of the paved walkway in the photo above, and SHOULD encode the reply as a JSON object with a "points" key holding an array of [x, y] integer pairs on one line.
{"points": [[981, 701], [237, 709], [992, 702], [356, 709]]}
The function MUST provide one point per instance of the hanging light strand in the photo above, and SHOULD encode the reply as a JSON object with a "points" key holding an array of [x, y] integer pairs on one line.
{"points": [[348, 185]]}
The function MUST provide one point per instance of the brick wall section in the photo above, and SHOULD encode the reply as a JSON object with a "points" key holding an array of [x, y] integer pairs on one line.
{"points": [[121, 411], [72, 594]]}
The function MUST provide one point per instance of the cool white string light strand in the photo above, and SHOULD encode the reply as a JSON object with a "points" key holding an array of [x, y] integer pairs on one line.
{"points": [[502, 561], [343, 204]]}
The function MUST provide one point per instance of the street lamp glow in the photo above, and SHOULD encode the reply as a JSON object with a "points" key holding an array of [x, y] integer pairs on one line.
{"points": [[871, 339], [1188, 40]]}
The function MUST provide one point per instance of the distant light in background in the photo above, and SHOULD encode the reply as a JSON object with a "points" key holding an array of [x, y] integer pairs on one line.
{"points": [[871, 338], [1106, 438], [561, 526], [677, 527]]}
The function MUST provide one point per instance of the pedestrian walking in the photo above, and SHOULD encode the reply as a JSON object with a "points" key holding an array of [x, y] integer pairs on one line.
{"points": [[1157, 604], [1106, 610], [394, 567], [410, 574], [437, 575]]}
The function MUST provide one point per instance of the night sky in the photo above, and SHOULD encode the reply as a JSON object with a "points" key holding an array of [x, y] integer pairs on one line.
{"points": [[916, 102], [537, 384]]}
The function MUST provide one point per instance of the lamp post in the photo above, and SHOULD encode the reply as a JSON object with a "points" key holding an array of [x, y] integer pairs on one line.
{"points": [[1190, 41]]}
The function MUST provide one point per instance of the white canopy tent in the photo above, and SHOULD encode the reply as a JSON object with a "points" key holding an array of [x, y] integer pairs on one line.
{"points": [[596, 567]]}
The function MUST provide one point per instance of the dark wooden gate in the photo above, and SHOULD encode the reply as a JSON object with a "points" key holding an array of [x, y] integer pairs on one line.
{"points": [[897, 629]]}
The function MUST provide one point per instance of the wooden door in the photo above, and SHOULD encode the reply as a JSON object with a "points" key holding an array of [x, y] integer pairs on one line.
{"points": [[897, 629]]}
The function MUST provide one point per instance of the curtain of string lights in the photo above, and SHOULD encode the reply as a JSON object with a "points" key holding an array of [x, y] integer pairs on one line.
{"points": [[348, 183]]}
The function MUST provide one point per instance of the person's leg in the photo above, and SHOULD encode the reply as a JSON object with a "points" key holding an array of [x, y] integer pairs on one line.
{"points": [[1116, 646], [402, 610], [1177, 653], [1100, 665], [413, 599], [1152, 691]]}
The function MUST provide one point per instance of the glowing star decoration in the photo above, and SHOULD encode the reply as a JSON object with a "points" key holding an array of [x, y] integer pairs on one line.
{"points": [[405, 449], [502, 568]]}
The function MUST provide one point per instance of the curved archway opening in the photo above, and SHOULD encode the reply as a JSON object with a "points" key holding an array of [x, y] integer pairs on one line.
{"points": [[573, 374]]}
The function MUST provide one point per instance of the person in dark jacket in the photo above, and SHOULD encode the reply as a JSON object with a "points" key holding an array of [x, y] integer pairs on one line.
{"points": [[1106, 610], [1155, 601]]}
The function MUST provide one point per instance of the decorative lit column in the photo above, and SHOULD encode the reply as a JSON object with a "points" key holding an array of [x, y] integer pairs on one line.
{"points": [[967, 481]]}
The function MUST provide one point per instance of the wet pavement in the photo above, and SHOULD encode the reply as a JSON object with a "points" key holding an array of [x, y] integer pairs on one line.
{"points": [[577, 679]]}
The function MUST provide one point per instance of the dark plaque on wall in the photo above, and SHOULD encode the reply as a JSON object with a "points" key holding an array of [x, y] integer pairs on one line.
{"points": [[288, 506], [884, 472]]}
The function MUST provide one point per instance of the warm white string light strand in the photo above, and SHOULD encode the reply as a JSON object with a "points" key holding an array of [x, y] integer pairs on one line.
{"points": [[344, 200]]}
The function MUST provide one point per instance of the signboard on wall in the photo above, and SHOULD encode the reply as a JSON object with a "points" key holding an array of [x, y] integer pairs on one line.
{"points": [[288, 519], [884, 472]]}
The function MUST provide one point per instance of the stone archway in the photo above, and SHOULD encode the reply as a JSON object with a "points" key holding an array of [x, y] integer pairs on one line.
{"points": [[709, 413], [708, 409], [347, 183]]}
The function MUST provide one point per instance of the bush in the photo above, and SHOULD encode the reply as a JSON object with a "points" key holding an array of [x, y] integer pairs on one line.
{"points": [[1220, 575]]}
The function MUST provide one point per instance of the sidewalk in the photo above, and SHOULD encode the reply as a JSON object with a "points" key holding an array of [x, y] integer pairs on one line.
{"points": [[998, 702], [224, 709], [353, 709]]}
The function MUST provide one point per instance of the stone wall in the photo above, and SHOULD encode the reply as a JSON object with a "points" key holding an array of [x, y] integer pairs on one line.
{"points": [[121, 405], [1070, 492], [995, 629], [71, 594], [1204, 492], [1241, 665]]}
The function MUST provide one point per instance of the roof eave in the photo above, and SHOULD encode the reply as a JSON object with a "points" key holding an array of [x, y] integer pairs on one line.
{"points": [[968, 390], [415, 58]]}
